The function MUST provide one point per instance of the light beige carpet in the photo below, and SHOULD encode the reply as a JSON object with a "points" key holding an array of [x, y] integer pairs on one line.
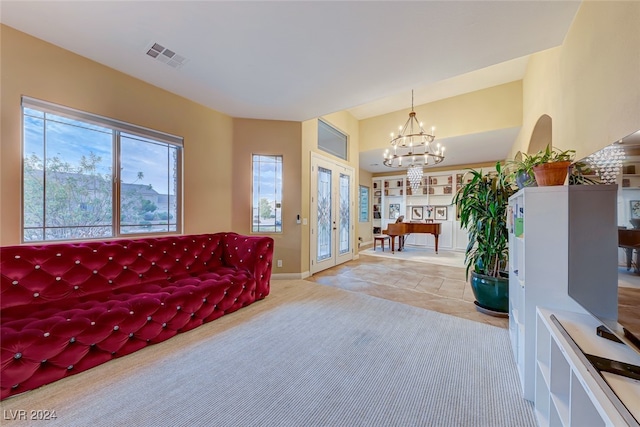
{"points": [[307, 355]]}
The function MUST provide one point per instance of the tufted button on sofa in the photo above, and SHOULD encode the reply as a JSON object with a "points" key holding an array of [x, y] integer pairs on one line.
{"points": [[67, 307]]}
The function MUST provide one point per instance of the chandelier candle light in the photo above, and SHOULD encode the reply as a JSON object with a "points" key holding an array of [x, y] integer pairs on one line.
{"points": [[412, 148]]}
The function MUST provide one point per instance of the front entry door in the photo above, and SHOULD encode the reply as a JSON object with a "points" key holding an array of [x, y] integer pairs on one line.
{"points": [[332, 211]]}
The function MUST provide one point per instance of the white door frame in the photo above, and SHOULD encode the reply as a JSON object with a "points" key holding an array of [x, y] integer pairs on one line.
{"points": [[336, 169]]}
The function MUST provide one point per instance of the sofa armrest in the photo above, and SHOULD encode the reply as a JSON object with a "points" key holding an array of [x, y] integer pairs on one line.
{"points": [[253, 254]]}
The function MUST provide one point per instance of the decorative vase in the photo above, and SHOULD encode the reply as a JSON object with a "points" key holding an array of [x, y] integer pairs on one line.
{"points": [[522, 180], [492, 293], [548, 174]]}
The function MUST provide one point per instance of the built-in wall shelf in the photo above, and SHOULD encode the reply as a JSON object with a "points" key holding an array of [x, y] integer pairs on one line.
{"points": [[432, 200]]}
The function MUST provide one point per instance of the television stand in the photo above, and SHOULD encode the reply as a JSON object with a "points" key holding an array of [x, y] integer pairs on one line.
{"points": [[569, 390], [614, 367], [604, 332]]}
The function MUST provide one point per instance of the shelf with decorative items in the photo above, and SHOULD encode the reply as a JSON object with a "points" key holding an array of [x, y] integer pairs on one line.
{"points": [[433, 202], [461, 178], [391, 200], [377, 206], [430, 201], [630, 176], [434, 186], [394, 186], [440, 184], [630, 179]]}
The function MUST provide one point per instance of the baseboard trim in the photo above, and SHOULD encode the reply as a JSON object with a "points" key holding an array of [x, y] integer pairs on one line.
{"points": [[290, 276]]}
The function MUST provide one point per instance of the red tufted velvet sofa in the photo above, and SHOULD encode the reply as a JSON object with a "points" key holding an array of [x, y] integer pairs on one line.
{"points": [[68, 307]]}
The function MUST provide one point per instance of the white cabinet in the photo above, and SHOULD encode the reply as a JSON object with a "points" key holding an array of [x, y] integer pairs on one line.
{"points": [[393, 199], [547, 227], [568, 390], [376, 205]]}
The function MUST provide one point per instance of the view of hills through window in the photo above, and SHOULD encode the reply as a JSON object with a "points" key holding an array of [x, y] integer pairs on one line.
{"points": [[70, 190]]}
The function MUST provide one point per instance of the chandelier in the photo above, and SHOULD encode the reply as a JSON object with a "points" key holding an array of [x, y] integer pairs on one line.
{"points": [[607, 163], [412, 148]]}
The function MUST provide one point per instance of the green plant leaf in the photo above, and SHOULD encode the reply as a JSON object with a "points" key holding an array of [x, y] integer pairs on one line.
{"points": [[482, 205]]}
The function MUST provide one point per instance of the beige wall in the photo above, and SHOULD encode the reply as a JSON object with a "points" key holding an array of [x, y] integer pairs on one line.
{"points": [[365, 229], [309, 143], [498, 107], [41, 70], [589, 86], [273, 138]]}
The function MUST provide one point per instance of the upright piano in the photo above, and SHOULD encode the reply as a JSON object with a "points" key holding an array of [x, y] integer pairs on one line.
{"points": [[401, 229]]}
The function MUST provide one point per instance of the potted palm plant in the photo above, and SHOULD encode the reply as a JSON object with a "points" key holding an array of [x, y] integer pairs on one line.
{"points": [[482, 207]]}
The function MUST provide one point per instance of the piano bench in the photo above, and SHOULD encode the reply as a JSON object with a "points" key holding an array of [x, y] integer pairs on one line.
{"points": [[381, 238]]}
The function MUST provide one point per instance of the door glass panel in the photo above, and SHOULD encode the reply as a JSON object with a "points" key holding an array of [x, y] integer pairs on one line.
{"points": [[324, 214], [345, 226]]}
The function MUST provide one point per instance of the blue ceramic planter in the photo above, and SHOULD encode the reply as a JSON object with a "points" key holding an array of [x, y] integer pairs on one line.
{"points": [[492, 293]]}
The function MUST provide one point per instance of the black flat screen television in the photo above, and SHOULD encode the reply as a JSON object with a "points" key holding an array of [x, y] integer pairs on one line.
{"points": [[624, 328], [621, 318], [615, 305]]}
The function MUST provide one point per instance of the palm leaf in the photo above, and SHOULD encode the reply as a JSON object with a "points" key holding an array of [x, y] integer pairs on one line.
{"points": [[482, 206]]}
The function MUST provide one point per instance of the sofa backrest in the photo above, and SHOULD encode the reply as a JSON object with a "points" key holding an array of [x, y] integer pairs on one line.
{"points": [[45, 273]]}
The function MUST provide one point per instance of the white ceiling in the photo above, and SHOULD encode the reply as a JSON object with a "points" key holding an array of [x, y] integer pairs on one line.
{"points": [[296, 60]]}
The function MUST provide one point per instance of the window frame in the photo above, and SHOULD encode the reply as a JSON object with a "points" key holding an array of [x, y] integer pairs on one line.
{"points": [[336, 131], [364, 199], [117, 128], [253, 189]]}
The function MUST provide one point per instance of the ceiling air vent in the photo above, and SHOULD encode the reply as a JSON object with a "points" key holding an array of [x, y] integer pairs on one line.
{"points": [[166, 56]]}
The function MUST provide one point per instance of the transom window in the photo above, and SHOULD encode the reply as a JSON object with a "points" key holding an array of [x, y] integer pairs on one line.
{"points": [[332, 141], [87, 176]]}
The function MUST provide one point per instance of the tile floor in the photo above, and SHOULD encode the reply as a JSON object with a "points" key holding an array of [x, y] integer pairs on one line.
{"points": [[434, 287], [441, 288]]}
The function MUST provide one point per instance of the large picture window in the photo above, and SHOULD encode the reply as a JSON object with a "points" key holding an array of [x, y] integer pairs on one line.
{"points": [[267, 194], [86, 176]]}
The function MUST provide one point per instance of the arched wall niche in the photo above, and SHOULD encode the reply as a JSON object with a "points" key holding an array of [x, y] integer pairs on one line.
{"points": [[541, 135]]}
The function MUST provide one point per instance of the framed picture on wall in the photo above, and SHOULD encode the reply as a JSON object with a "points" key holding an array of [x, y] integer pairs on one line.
{"points": [[417, 212], [394, 210], [635, 208], [440, 212]]}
